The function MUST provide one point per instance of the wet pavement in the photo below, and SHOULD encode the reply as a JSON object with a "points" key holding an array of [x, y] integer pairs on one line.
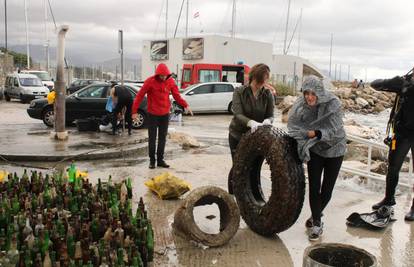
{"points": [[209, 165]]}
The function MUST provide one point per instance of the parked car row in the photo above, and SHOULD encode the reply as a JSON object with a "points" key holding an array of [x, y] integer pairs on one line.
{"points": [[87, 102]]}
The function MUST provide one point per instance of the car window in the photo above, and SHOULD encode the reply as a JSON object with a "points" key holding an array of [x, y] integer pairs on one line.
{"points": [[16, 82], [223, 88], [203, 89], [93, 92], [30, 82]]}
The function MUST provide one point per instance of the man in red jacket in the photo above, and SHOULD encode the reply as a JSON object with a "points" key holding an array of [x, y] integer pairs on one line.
{"points": [[158, 89]]}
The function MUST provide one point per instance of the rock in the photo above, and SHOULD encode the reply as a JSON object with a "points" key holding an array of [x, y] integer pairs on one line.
{"points": [[379, 108], [285, 114], [353, 128], [185, 140], [361, 102], [287, 102], [356, 152], [343, 93], [380, 167]]}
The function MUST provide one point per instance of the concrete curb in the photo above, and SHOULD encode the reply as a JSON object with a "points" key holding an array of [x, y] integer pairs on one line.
{"points": [[121, 151]]}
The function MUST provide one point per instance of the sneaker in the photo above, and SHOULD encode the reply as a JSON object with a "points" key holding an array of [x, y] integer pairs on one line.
{"points": [[410, 215], [315, 232], [104, 128], [152, 165], [309, 222], [163, 164], [384, 202]]}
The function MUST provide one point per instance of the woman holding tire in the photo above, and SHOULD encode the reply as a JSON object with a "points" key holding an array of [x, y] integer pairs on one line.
{"points": [[252, 107], [315, 121]]}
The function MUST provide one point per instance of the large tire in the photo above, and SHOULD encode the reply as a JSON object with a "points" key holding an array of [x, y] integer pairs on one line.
{"points": [[48, 116], [229, 216], [229, 108], [7, 97], [288, 180]]}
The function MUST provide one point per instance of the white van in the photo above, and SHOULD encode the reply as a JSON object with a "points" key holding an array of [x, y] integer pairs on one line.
{"points": [[44, 76], [25, 87]]}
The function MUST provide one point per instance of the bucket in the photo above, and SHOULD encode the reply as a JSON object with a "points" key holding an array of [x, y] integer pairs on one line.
{"points": [[333, 254]]}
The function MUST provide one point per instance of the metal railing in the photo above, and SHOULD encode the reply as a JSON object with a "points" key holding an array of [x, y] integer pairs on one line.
{"points": [[368, 173]]}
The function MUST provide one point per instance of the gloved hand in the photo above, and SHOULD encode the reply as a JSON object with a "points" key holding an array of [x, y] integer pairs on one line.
{"points": [[267, 122], [253, 125]]}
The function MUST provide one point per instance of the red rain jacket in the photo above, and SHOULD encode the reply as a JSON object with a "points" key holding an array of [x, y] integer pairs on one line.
{"points": [[158, 92]]}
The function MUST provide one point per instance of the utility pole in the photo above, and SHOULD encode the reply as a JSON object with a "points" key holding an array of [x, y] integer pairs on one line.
{"points": [[233, 20], [59, 106], [166, 20], [5, 23], [27, 35], [121, 52], [116, 73], [186, 20], [46, 37], [300, 30], [286, 29], [330, 58]]}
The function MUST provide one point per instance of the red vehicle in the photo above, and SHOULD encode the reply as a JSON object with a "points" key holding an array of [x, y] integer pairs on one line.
{"points": [[201, 73]]}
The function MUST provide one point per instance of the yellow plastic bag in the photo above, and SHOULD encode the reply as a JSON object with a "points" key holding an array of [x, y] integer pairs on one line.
{"points": [[80, 174], [168, 186], [51, 97], [3, 175]]}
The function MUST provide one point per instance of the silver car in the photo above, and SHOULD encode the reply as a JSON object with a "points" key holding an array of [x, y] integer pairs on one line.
{"points": [[25, 87]]}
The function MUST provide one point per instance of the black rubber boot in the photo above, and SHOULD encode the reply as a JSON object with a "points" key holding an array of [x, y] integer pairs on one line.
{"points": [[384, 202], [163, 164], [152, 165], [410, 215]]}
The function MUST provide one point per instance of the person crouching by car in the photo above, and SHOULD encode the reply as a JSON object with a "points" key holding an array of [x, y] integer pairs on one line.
{"points": [[123, 99], [158, 89], [315, 121], [253, 106]]}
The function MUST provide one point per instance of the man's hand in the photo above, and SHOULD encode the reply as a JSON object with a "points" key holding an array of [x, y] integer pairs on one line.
{"points": [[270, 87], [267, 122], [134, 116], [311, 134], [188, 111], [253, 125]]}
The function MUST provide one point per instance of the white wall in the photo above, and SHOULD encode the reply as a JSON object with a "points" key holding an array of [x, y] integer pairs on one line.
{"points": [[217, 49]]}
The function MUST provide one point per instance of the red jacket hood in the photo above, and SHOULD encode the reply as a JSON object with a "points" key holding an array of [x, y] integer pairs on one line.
{"points": [[162, 69]]}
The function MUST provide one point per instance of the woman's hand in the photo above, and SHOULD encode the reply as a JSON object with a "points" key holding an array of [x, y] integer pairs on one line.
{"points": [[270, 87], [311, 134], [188, 111]]}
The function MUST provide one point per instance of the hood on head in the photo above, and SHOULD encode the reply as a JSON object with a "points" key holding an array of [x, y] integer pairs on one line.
{"points": [[162, 69], [316, 85]]}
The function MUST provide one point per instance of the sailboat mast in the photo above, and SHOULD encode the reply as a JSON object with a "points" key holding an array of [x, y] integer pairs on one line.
{"points": [[286, 29]]}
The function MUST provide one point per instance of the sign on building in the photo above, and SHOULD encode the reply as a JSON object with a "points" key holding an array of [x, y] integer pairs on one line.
{"points": [[193, 48], [159, 50]]}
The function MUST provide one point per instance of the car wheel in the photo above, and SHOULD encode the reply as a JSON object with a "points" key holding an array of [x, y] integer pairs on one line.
{"points": [[284, 205], [140, 121], [7, 97], [48, 117], [229, 108]]}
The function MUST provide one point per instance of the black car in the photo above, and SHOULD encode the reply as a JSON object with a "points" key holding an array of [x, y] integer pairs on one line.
{"points": [[87, 102], [79, 84]]}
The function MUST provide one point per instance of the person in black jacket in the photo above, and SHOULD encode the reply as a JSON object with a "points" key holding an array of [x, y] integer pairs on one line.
{"points": [[123, 99], [401, 127]]}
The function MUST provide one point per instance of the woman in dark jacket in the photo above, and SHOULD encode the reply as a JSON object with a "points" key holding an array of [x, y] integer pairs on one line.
{"points": [[315, 121], [252, 107]]}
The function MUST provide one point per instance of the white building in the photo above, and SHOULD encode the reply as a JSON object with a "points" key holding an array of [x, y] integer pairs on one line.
{"points": [[214, 49]]}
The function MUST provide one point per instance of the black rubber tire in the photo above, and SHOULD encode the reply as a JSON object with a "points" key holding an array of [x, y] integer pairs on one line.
{"points": [[22, 99], [46, 116], [141, 121], [229, 108], [184, 223], [288, 181], [7, 97]]}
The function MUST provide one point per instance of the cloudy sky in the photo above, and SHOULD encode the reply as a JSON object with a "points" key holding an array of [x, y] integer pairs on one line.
{"points": [[372, 36]]}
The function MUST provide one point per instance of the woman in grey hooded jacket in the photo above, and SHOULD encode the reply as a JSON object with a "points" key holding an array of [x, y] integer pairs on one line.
{"points": [[315, 121]]}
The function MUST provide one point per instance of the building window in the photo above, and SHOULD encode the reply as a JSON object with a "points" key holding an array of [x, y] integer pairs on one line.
{"points": [[186, 75]]}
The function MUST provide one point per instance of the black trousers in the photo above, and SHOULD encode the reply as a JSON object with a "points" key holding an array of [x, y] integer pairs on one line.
{"points": [[321, 192], [128, 115], [395, 161], [157, 124]]}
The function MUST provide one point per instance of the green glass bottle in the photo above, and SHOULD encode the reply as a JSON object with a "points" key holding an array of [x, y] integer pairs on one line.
{"points": [[150, 241], [72, 173], [71, 246]]}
